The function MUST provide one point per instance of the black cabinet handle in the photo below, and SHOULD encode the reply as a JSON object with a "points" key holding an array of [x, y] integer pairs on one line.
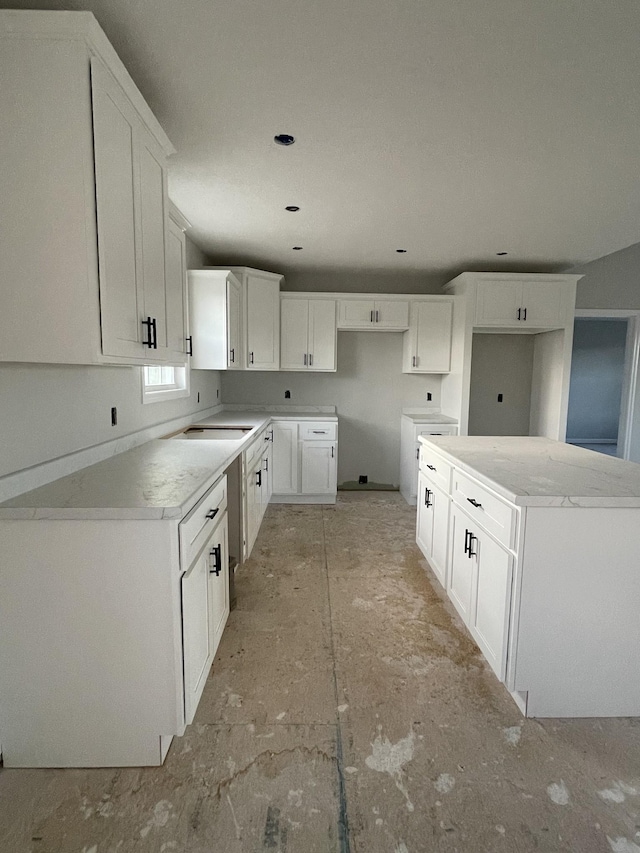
{"points": [[466, 541], [250, 358], [377, 316], [189, 340], [310, 359], [212, 513], [427, 497], [471, 538], [266, 465], [232, 353], [259, 478], [414, 361], [474, 503], [525, 315], [519, 313], [371, 317], [304, 359], [417, 453], [431, 467], [149, 323], [332, 452], [216, 553]]}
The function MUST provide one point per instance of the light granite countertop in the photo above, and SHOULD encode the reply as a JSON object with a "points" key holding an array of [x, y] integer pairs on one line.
{"points": [[541, 472], [162, 478], [419, 417]]}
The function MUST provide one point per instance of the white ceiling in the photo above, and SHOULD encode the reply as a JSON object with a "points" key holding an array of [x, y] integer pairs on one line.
{"points": [[452, 128]]}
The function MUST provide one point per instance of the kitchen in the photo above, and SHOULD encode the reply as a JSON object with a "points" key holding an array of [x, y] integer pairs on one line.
{"points": [[370, 386]]}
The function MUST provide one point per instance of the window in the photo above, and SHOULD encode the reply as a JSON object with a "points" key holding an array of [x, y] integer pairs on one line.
{"points": [[163, 382]]}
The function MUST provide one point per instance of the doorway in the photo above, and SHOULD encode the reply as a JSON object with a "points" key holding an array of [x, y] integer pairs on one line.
{"points": [[603, 379]]}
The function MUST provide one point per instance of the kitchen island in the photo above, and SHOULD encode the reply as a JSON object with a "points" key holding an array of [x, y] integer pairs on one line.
{"points": [[536, 543]]}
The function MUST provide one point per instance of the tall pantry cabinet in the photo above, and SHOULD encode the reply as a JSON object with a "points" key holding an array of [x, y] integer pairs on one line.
{"points": [[85, 214]]}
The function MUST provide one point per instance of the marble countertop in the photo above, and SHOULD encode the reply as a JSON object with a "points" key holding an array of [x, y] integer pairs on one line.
{"points": [[162, 478], [419, 417], [540, 472]]}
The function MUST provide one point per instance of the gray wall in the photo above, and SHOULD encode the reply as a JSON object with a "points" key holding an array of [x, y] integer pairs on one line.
{"points": [[597, 366], [369, 391], [47, 411], [612, 281], [365, 282], [501, 364]]}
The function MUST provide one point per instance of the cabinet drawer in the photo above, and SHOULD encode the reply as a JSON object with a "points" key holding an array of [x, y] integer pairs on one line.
{"points": [[318, 431], [196, 527], [490, 511], [435, 468]]}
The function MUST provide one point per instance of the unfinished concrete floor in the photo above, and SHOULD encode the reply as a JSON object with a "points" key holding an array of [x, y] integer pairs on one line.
{"points": [[347, 710]]}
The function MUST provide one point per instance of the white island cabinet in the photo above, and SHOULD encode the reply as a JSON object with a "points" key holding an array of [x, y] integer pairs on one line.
{"points": [[536, 543]]}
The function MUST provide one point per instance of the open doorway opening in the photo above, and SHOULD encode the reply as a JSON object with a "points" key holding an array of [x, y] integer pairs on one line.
{"points": [[603, 379]]}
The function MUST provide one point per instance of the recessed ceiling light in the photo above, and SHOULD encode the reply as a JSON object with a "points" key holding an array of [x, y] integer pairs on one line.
{"points": [[401, 251], [502, 253], [292, 208], [284, 139], [297, 248]]}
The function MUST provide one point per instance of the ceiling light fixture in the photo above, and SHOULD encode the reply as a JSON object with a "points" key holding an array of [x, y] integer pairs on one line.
{"points": [[292, 208], [284, 139], [297, 248], [401, 251]]}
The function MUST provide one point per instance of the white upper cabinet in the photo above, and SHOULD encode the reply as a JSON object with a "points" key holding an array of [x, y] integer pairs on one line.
{"points": [[374, 314], [176, 276], [261, 292], [308, 334], [427, 344], [523, 302], [85, 207], [215, 300]]}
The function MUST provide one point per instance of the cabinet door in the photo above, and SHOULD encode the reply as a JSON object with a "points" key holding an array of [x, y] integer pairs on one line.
{"points": [[544, 304], [219, 581], [197, 631], [176, 290], [440, 543], [391, 314], [499, 303], [424, 523], [152, 240], [355, 313], [250, 520], [461, 566], [263, 324], [491, 601], [267, 475], [322, 334], [234, 324], [294, 334], [285, 458], [319, 469], [432, 322], [115, 126]]}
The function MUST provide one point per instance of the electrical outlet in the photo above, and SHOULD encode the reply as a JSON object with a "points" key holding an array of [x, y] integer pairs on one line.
{"points": [[500, 396], [287, 395], [429, 395], [363, 479], [114, 416], [198, 396]]}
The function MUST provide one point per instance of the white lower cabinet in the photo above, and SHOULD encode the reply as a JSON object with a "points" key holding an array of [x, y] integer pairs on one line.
{"points": [[305, 461], [205, 608], [432, 532], [257, 486], [411, 429], [318, 467], [129, 612]]}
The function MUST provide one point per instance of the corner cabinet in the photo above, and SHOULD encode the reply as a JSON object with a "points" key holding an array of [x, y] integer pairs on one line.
{"points": [[85, 166], [261, 293], [215, 319], [308, 333]]}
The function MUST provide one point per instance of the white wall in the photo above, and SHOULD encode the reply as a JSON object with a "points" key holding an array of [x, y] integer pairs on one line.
{"points": [[611, 282], [369, 391], [596, 379], [48, 411]]}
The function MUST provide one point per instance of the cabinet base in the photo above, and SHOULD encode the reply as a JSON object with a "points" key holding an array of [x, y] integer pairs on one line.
{"points": [[303, 499]]}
